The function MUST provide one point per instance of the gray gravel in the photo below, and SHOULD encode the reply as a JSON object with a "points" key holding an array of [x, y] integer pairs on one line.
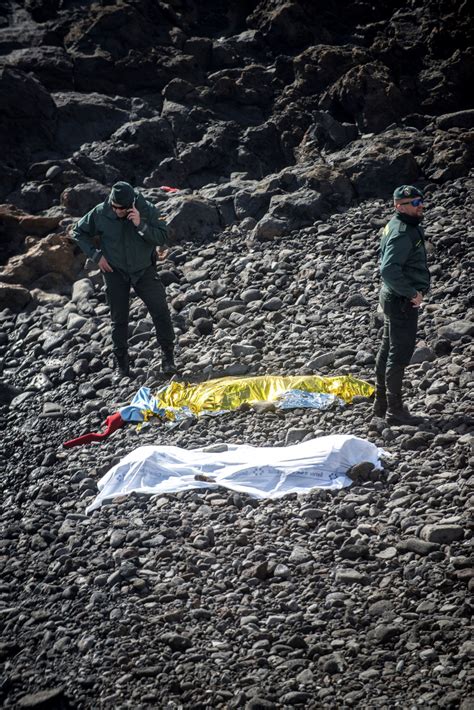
{"points": [[211, 599]]}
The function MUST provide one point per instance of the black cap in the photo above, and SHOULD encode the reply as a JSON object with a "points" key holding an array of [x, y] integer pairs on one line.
{"points": [[406, 191], [122, 194]]}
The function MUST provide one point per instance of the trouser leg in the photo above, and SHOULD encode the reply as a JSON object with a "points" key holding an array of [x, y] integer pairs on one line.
{"points": [[118, 299], [381, 359], [380, 400], [402, 345], [402, 341], [151, 291]]}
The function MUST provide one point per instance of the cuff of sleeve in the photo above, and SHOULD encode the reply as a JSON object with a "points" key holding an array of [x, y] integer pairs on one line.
{"points": [[142, 228], [96, 256]]}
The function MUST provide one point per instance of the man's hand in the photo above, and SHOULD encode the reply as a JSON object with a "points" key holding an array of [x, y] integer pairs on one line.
{"points": [[416, 300], [134, 216], [104, 265]]}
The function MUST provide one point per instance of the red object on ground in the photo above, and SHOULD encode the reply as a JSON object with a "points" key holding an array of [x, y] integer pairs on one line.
{"points": [[112, 423], [166, 188]]}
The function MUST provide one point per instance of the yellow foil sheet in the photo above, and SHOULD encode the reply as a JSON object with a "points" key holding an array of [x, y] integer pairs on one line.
{"points": [[227, 393]]}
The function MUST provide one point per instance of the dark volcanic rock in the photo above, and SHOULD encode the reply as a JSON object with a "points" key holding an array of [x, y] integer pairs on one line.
{"points": [[26, 124], [285, 127]]}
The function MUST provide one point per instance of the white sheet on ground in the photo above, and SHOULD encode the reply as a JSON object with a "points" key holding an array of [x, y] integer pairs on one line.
{"points": [[262, 472]]}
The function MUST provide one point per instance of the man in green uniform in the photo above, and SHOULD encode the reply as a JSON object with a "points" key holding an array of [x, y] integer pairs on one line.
{"points": [[405, 280], [121, 235]]}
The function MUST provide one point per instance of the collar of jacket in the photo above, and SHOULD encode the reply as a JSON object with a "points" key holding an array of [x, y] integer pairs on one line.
{"points": [[415, 221]]}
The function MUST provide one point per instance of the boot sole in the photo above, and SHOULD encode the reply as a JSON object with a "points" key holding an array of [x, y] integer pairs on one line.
{"points": [[394, 421]]}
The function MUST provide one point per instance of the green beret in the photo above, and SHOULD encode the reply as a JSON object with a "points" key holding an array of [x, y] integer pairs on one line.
{"points": [[122, 194], [406, 191]]}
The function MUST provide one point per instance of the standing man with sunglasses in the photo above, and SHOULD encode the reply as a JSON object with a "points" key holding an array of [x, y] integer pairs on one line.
{"points": [[121, 235], [405, 280]]}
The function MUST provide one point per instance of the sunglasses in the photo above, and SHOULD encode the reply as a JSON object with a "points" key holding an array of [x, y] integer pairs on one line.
{"points": [[415, 203], [117, 207]]}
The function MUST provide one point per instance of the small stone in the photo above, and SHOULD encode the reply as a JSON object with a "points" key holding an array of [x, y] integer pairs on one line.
{"points": [[273, 304], [44, 699], [296, 434], [176, 642], [457, 329], [299, 555], [419, 547], [442, 534], [117, 539], [282, 571], [312, 514], [351, 576], [384, 633], [53, 172], [388, 554]]}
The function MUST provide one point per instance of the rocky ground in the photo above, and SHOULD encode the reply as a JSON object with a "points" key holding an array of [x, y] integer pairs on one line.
{"points": [[211, 599], [286, 127]]}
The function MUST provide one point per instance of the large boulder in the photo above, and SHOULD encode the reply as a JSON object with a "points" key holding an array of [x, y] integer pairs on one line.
{"points": [[316, 192], [50, 65], [54, 254], [27, 121], [191, 217], [46, 180], [367, 96], [42, 10], [451, 156], [199, 163], [289, 212], [239, 50], [83, 197], [133, 150], [458, 119], [376, 166], [328, 133], [252, 202], [119, 50], [260, 151], [84, 118], [288, 24], [318, 67], [16, 225], [13, 296], [441, 85]]}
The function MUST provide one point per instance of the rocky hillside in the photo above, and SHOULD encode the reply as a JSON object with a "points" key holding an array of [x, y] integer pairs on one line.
{"points": [[285, 126], [269, 114]]}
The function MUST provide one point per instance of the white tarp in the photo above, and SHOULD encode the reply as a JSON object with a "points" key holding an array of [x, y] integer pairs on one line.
{"points": [[262, 472]]}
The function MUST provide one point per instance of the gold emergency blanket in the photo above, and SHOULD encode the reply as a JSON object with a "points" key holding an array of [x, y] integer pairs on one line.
{"points": [[229, 393]]}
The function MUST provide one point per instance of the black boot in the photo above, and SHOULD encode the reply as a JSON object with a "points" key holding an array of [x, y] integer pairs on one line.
{"points": [[380, 403], [398, 414], [122, 364], [167, 363]]}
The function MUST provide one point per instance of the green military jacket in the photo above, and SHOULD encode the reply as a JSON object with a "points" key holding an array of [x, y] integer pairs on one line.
{"points": [[127, 248], [403, 265]]}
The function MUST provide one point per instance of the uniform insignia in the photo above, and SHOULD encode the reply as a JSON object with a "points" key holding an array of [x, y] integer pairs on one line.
{"points": [[402, 227], [407, 191]]}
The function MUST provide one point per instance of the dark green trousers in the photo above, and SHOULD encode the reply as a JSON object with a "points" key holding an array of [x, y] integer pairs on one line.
{"points": [[398, 342], [151, 291]]}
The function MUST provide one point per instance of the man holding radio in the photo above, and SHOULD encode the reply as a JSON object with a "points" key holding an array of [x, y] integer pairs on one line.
{"points": [[121, 236], [405, 281]]}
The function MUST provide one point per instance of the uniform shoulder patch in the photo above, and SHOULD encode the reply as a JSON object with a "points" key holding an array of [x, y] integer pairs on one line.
{"points": [[402, 227]]}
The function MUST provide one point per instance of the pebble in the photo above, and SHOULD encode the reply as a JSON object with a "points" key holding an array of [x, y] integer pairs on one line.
{"points": [[442, 534]]}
